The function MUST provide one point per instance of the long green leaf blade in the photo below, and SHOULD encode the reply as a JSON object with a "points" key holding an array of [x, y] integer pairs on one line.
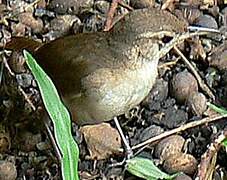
{"points": [[220, 110], [60, 118]]}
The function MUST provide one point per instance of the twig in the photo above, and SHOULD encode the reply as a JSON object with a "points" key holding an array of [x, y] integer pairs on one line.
{"points": [[7, 66], [123, 4], [1, 72], [110, 14], [52, 139], [167, 64], [49, 133], [208, 156], [19, 87], [202, 85], [179, 129], [128, 149], [167, 4], [27, 98], [197, 28]]}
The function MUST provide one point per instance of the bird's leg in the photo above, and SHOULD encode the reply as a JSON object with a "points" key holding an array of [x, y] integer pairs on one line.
{"points": [[128, 149]]}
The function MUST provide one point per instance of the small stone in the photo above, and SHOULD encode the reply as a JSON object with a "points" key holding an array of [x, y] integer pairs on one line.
{"points": [[206, 21], [61, 26], [63, 23], [69, 6], [102, 6], [28, 141], [173, 117], [43, 146], [183, 84], [197, 103], [157, 95], [102, 140], [4, 142], [140, 4], [150, 132], [180, 163], [219, 59], [40, 12], [24, 80], [183, 177], [169, 146], [18, 29], [94, 23], [213, 77], [28, 20], [17, 62], [8, 170], [5, 139]]}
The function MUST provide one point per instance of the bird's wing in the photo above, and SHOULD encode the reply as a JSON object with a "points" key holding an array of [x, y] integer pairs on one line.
{"points": [[67, 60]]}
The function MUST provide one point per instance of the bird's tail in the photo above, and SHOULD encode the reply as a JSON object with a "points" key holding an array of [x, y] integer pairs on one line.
{"points": [[20, 43]]}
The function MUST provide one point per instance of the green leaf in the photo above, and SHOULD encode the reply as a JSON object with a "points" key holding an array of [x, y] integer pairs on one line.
{"points": [[224, 143], [60, 118], [145, 168], [220, 110]]}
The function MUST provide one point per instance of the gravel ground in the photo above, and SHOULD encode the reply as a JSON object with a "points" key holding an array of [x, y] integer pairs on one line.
{"points": [[178, 98]]}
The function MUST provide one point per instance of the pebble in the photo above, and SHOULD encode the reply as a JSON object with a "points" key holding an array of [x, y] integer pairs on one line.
{"points": [[169, 146], [180, 163], [183, 84], [8, 170], [30, 21], [150, 132], [206, 21], [197, 103], [24, 80], [69, 6]]}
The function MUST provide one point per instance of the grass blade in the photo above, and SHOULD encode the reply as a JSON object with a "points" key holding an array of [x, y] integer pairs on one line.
{"points": [[60, 118]]}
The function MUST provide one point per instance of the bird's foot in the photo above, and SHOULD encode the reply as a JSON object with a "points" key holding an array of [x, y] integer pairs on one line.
{"points": [[128, 149]]}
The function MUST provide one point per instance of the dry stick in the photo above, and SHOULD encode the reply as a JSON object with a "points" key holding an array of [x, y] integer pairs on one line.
{"points": [[166, 4], [123, 4], [7, 66], [34, 108], [110, 14], [167, 64], [52, 139], [202, 85], [27, 98], [110, 22], [19, 87], [179, 129], [207, 157]]}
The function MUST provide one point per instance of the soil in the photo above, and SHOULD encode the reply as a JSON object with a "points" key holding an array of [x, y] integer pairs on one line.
{"points": [[26, 152]]}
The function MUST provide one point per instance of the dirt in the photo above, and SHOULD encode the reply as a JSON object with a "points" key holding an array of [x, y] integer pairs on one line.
{"points": [[177, 98]]}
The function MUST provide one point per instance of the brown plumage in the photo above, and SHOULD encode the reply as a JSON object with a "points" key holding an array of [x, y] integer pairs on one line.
{"points": [[104, 74]]}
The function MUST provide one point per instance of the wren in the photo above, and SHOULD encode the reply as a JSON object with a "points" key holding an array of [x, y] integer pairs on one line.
{"points": [[104, 74]]}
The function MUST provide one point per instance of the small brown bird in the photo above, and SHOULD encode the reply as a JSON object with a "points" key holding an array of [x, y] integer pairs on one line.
{"points": [[104, 74]]}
